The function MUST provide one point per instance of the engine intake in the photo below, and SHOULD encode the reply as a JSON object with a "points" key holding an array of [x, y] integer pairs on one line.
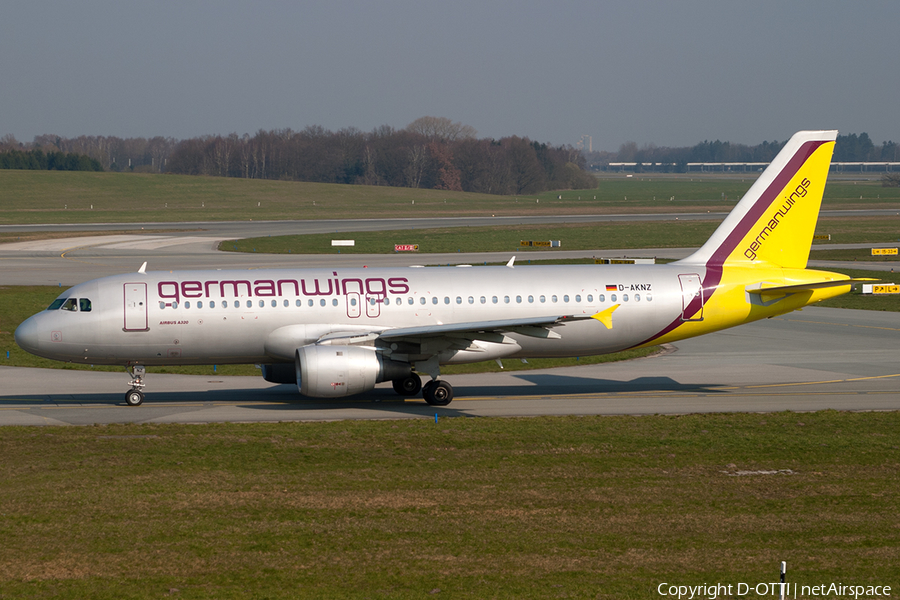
{"points": [[334, 371]]}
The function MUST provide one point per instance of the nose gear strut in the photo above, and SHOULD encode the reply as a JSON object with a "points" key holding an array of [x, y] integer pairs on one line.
{"points": [[134, 396]]}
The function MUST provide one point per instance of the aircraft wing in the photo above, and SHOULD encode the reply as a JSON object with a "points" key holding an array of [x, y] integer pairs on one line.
{"points": [[487, 330]]}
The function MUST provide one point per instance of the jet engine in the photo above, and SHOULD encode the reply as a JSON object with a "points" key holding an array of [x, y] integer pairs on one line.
{"points": [[333, 371]]}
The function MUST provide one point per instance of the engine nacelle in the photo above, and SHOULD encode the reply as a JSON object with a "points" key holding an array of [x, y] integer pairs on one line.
{"points": [[279, 373], [333, 371]]}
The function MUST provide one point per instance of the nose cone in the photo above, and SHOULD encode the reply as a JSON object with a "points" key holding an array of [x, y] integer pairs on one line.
{"points": [[27, 335]]}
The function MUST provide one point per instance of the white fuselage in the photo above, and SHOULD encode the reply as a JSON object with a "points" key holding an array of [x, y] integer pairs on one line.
{"points": [[262, 316]]}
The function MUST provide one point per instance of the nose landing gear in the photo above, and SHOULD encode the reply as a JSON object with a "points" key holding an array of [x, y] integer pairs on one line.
{"points": [[134, 396]]}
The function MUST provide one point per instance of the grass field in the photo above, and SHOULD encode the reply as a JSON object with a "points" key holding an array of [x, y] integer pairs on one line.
{"points": [[81, 197], [573, 236], [581, 507]]}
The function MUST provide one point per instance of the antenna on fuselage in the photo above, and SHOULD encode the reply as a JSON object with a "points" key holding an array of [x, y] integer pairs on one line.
{"points": [[143, 269], [510, 263]]}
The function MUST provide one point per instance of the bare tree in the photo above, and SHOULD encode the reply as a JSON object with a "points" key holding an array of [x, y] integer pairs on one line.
{"points": [[441, 129]]}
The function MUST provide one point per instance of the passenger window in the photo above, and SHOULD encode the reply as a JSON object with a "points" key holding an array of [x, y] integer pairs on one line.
{"points": [[505, 299], [543, 299], [310, 302], [446, 299], [566, 298], [212, 303], [410, 300], [162, 305], [286, 303], [56, 304], [334, 302], [518, 299], [250, 303], [459, 299], [471, 300], [637, 297], [612, 297], [530, 299], [299, 303], [649, 298], [70, 304], [590, 297], [483, 300], [601, 298], [577, 297], [199, 304], [262, 303], [422, 300], [187, 304], [553, 298], [322, 302], [624, 297], [84, 305], [352, 301], [434, 300], [494, 299]]}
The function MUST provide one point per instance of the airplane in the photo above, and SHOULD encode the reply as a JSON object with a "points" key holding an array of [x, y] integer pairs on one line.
{"points": [[339, 332]]}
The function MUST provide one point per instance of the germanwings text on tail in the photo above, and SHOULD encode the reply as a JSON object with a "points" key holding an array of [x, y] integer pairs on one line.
{"points": [[337, 332]]}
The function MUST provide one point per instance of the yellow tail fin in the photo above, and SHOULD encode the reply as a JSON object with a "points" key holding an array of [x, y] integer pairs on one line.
{"points": [[775, 221]]}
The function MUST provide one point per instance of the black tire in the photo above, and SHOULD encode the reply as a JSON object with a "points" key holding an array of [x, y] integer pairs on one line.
{"points": [[134, 398], [408, 386], [438, 393]]}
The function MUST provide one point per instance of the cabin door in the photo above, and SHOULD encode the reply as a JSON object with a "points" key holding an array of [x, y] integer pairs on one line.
{"points": [[136, 307]]}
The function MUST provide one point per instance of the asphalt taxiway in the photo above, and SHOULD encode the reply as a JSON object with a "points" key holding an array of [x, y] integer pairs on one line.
{"points": [[811, 360], [816, 359]]}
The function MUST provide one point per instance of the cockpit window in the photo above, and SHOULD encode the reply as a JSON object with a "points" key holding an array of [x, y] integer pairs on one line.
{"points": [[70, 304], [56, 304], [84, 304]]}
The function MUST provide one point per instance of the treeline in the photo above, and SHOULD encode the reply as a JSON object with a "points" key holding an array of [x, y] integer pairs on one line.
{"points": [[848, 148], [430, 153], [51, 161], [112, 153]]}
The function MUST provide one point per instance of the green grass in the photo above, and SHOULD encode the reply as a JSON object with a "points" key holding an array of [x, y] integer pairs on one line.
{"points": [[82, 197], [578, 507], [574, 236]]}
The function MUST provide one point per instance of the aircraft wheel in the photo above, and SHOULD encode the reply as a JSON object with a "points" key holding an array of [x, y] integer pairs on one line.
{"points": [[134, 397], [408, 386], [438, 393]]}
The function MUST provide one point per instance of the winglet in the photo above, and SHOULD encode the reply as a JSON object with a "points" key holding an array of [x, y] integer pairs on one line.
{"points": [[511, 261], [605, 316], [143, 268]]}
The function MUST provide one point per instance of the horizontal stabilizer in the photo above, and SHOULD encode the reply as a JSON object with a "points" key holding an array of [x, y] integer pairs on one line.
{"points": [[807, 287]]}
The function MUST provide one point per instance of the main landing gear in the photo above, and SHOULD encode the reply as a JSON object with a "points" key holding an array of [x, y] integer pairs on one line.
{"points": [[134, 396], [436, 392]]}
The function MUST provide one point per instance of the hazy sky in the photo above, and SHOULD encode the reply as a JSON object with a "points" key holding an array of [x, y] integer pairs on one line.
{"points": [[658, 71]]}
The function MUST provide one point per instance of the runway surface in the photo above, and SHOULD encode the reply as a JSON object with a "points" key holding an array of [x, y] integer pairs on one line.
{"points": [[816, 359], [68, 261]]}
